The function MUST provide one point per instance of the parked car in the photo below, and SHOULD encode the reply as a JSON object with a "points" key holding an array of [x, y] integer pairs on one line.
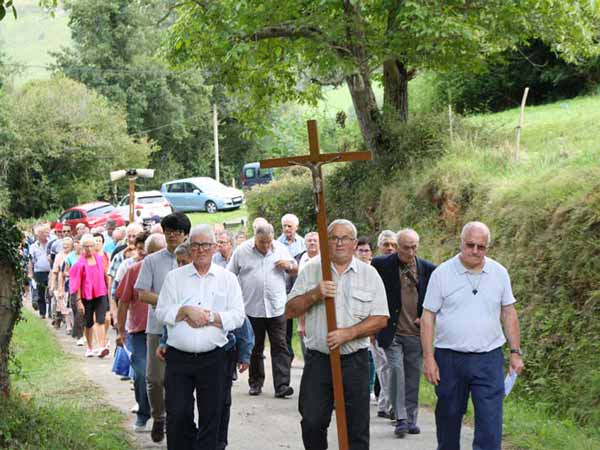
{"points": [[92, 214], [252, 174], [201, 194], [147, 205]]}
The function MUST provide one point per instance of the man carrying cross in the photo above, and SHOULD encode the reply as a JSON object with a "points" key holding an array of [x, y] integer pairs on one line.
{"points": [[361, 311]]}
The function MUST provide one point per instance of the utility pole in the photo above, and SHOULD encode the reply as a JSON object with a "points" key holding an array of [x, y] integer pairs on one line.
{"points": [[216, 139]]}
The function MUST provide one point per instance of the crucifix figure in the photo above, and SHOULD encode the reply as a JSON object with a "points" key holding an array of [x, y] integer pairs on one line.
{"points": [[313, 162]]}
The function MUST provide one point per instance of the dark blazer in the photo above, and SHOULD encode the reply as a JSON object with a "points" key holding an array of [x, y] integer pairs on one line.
{"points": [[388, 268]]}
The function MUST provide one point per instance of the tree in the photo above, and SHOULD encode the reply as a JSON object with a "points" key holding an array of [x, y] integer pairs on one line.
{"points": [[66, 139], [9, 6], [116, 52], [282, 50]]}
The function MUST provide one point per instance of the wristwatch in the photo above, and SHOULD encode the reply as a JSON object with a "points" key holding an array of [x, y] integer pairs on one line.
{"points": [[211, 318], [517, 351]]}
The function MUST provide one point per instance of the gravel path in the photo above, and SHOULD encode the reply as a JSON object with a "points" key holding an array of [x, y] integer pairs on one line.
{"points": [[257, 423]]}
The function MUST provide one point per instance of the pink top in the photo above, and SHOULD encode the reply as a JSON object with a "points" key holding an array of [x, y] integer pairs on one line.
{"points": [[89, 279]]}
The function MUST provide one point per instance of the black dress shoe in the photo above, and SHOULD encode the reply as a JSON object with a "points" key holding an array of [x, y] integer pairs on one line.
{"points": [[255, 391], [284, 391]]}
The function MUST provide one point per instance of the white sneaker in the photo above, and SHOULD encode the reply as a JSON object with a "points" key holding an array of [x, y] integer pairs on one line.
{"points": [[80, 342], [146, 428], [135, 408], [102, 352], [89, 353]]}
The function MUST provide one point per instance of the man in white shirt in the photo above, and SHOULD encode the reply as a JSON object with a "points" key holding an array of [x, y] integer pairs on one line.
{"points": [[261, 264], [199, 303]]}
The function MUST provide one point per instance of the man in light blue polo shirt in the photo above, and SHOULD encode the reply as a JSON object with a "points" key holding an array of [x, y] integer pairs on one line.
{"points": [[468, 299]]}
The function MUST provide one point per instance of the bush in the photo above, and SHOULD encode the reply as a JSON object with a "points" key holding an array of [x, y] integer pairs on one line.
{"points": [[288, 194], [500, 86]]}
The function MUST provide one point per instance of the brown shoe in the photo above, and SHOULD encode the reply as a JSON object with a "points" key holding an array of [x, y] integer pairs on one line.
{"points": [[158, 431]]}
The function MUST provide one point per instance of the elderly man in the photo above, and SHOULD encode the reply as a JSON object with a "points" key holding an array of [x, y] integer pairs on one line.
{"points": [[39, 267], [289, 237], [405, 277], [261, 265], [134, 313], [200, 303], [468, 299], [386, 242], [224, 248], [152, 276], [361, 311]]}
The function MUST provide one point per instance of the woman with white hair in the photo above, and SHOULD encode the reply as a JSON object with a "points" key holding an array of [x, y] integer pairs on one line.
{"points": [[88, 280], [57, 283]]}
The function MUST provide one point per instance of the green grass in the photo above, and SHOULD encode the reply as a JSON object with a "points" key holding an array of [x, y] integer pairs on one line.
{"points": [[220, 217], [53, 405]]}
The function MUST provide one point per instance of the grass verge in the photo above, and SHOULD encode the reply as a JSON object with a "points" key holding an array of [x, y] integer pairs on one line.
{"points": [[220, 217], [53, 405]]}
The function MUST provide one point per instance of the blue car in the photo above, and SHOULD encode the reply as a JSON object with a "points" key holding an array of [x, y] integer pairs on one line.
{"points": [[201, 194]]}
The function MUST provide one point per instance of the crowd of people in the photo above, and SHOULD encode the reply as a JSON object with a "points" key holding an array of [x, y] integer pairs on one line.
{"points": [[194, 306]]}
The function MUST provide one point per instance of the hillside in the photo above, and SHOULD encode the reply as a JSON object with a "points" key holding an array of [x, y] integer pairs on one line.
{"points": [[27, 40]]}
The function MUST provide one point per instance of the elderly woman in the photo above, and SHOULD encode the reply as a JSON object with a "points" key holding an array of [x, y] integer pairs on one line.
{"points": [[89, 282], [57, 283]]}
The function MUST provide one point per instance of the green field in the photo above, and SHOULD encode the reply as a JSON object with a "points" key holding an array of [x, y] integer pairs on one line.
{"points": [[221, 217]]}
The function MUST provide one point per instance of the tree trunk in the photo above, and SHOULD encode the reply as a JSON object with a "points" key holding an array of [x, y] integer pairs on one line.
{"points": [[395, 90], [367, 113], [8, 315]]}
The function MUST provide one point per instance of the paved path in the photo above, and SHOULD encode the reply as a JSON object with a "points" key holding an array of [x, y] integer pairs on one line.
{"points": [[257, 423]]}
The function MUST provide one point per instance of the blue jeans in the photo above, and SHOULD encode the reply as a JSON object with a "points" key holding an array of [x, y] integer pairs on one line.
{"points": [[482, 376], [136, 343]]}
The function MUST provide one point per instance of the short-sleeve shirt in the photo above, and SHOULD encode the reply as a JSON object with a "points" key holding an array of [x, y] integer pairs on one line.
{"points": [[137, 315], [295, 247], [468, 321], [263, 284], [360, 294], [39, 256], [152, 276]]}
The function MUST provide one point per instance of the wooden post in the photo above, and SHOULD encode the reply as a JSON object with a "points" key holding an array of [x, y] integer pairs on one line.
{"points": [[314, 161], [450, 123], [216, 139], [520, 124], [131, 197]]}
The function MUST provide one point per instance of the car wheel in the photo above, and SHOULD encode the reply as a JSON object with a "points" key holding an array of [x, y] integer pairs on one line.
{"points": [[211, 207]]}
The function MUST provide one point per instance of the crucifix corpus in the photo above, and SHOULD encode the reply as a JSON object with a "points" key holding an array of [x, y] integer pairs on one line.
{"points": [[313, 162]]}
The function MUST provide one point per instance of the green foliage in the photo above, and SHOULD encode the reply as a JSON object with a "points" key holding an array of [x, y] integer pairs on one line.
{"points": [[283, 195], [501, 82], [53, 405], [66, 140]]}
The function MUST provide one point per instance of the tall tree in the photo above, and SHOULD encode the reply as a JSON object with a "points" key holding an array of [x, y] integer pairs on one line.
{"points": [[281, 50], [64, 141], [115, 52]]}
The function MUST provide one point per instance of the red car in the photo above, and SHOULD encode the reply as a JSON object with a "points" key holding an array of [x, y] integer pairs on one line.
{"points": [[92, 214]]}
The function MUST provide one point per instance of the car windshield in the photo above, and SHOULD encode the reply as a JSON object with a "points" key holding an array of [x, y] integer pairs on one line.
{"points": [[210, 185], [100, 211], [149, 200]]}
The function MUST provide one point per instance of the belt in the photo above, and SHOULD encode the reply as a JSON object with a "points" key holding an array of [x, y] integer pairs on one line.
{"points": [[194, 355]]}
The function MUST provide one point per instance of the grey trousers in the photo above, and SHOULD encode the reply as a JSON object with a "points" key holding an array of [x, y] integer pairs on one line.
{"points": [[405, 359], [155, 378]]}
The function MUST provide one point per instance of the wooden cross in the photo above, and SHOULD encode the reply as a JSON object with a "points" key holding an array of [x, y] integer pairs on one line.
{"points": [[313, 162]]}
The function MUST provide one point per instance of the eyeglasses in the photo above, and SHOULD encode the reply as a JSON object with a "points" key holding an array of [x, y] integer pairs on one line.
{"points": [[201, 245], [223, 242], [175, 232], [472, 245], [389, 244], [344, 240], [364, 250]]}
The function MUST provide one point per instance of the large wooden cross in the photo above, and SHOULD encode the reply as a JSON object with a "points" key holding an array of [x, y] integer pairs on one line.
{"points": [[313, 162]]}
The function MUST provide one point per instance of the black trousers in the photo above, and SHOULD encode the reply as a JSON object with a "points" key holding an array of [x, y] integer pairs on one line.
{"points": [[222, 441], [275, 327], [41, 281], [289, 335], [316, 399], [205, 374]]}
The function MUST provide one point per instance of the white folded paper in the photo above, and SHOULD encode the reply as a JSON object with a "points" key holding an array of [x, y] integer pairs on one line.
{"points": [[509, 382]]}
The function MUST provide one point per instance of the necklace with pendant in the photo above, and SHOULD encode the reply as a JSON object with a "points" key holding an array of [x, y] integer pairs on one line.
{"points": [[474, 289]]}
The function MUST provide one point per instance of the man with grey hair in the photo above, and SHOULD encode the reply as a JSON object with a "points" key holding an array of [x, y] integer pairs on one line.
{"points": [[39, 267], [405, 277], [361, 310], [261, 264], [200, 303], [149, 283], [224, 248], [386, 242], [469, 298]]}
